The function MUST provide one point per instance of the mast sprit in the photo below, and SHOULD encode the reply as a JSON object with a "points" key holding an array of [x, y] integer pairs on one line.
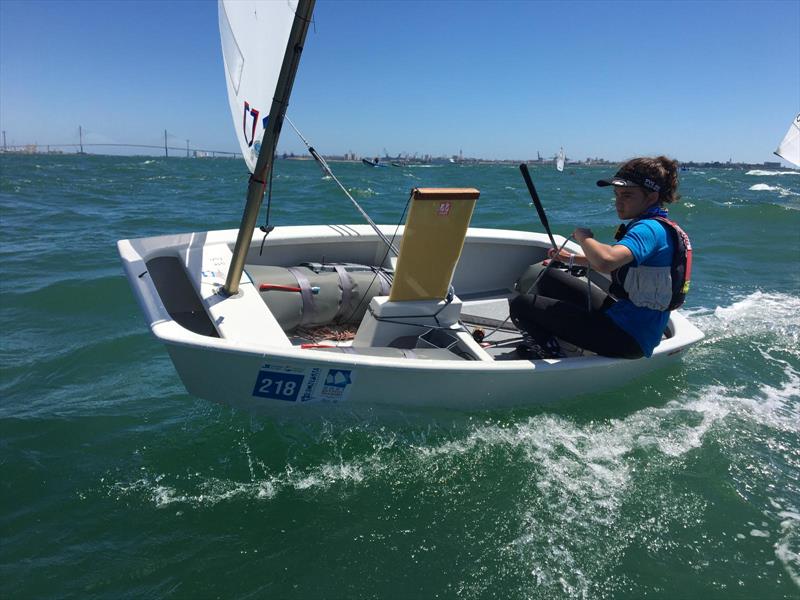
{"points": [[266, 155]]}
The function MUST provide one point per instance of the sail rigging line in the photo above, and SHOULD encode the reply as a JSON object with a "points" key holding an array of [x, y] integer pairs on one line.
{"points": [[541, 274], [378, 270], [266, 227], [322, 163]]}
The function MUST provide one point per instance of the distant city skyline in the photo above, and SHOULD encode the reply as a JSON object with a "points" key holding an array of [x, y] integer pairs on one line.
{"points": [[699, 81]]}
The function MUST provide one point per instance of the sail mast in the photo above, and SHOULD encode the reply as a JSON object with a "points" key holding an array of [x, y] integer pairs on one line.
{"points": [[261, 173]]}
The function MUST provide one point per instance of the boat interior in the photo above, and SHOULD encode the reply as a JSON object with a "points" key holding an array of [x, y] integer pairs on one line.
{"points": [[347, 289], [319, 291]]}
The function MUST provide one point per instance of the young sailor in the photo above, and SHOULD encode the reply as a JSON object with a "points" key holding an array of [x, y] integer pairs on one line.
{"points": [[650, 267]]}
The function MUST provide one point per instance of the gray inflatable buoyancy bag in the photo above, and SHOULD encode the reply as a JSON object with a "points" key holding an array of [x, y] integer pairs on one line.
{"points": [[344, 292]]}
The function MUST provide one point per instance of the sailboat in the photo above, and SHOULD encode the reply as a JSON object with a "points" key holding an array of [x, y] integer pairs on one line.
{"points": [[375, 162], [359, 315], [560, 160], [789, 148]]}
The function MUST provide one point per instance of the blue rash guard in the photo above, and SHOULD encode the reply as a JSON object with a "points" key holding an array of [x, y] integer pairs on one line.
{"points": [[644, 315]]}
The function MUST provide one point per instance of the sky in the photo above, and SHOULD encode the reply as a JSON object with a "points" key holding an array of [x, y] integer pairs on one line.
{"points": [[697, 81]]}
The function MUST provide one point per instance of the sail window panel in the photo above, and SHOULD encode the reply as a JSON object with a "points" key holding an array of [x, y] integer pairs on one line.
{"points": [[232, 54]]}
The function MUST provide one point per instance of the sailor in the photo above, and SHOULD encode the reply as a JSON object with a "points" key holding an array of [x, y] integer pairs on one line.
{"points": [[649, 264]]}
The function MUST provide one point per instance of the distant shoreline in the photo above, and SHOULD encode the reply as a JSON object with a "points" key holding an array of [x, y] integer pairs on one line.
{"points": [[410, 163]]}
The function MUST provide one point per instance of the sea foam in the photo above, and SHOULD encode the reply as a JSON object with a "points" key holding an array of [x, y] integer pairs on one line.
{"points": [[763, 187], [757, 313], [769, 173]]}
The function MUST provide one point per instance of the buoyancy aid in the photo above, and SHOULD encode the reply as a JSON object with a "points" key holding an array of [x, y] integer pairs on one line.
{"points": [[680, 270]]}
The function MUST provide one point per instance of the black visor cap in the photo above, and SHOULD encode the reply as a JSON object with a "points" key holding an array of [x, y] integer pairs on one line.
{"points": [[631, 179]]}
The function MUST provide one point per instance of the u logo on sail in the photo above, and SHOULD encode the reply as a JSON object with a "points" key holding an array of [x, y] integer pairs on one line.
{"points": [[253, 113]]}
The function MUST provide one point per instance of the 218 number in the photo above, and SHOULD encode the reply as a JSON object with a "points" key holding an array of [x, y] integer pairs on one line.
{"points": [[278, 386]]}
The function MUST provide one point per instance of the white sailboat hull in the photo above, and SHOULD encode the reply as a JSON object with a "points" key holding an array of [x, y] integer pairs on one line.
{"points": [[239, 355]]}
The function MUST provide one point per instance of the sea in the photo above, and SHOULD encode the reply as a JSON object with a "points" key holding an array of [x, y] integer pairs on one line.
{"points": [[116, 483]]}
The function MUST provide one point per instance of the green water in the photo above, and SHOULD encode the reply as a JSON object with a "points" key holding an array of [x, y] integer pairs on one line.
{"points": [[116, 483]]}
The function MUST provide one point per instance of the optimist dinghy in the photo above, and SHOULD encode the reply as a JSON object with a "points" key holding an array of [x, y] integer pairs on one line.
{"points": [[338, 314]]}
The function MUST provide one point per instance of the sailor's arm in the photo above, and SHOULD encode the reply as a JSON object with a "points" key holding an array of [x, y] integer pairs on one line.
{"points": [[601, 257], [568, 258]]}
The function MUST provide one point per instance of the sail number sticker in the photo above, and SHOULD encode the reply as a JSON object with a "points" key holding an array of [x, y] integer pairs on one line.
{"points": [[278, 384], [292, 384]]}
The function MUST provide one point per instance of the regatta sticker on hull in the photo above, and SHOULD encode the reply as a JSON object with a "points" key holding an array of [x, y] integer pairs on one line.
{"points": [[336, 384], [293, 384]]}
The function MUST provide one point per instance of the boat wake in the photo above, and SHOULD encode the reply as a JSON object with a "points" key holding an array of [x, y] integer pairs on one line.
{"points": [[772, 314], [574, 502]]}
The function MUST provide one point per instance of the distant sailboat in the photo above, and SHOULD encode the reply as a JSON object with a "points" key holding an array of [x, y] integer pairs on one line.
{"points": [[789, 148], [560, 160], [376, 162]]}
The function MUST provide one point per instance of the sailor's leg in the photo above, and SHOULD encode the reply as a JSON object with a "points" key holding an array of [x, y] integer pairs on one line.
{"points": [[561, 285], [594, 331]]}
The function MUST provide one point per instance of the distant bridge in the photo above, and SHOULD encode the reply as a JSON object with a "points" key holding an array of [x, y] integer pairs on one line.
{"points": [[37, 148]]}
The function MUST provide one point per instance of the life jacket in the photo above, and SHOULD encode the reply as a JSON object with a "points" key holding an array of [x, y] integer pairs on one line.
{"points": [[680, 270]]}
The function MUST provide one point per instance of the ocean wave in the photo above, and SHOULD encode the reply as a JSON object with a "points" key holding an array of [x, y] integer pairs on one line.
{"points": [[763, 414], [758, 313], [204, 491], [764, 187], [363, 193], [763, 173], [572, 482], [571, 519], [569, 456], [787, 548]]}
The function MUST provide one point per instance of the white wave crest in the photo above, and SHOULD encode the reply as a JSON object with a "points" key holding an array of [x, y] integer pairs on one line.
{"points": [[580, 478], [787, 548], [763, 173], [763, 187], [210, 491], [756, 314]]}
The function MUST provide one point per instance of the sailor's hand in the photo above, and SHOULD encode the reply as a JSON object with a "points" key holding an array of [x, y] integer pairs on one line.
{"points": [[561, 256], [582, 233]]}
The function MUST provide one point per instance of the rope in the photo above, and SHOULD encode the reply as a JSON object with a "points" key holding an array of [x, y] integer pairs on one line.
{"points": [[328, 172], [533, 285], [266, 227], [377, 270]]}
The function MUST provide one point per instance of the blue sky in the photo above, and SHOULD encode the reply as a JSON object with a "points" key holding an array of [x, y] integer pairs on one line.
{"points": [[695, 80]]}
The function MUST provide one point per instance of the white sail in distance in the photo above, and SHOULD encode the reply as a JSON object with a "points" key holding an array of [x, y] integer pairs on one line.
{"points": [[560, 160], [254, 35], [789, 148]]}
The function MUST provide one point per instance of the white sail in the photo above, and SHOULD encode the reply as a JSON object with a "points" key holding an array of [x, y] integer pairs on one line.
{"points": [[560, 160], [254, 36], [789, 148]]}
